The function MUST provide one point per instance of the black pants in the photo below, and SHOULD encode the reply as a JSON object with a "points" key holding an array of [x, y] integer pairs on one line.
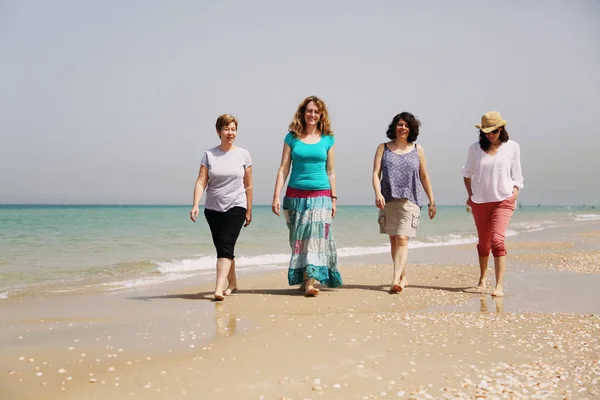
{"points": [[225, 228]]}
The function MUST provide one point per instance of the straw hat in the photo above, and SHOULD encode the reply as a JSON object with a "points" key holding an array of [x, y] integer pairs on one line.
{"points": [[490, 121]]}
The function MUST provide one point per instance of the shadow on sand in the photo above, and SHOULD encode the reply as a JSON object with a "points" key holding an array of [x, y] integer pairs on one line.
{"points": [[386, 288], [466, 289], [209, 296], [294, 292]]}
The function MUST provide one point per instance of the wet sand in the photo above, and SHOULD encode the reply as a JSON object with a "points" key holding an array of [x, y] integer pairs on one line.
{"points": [[437, 339]]}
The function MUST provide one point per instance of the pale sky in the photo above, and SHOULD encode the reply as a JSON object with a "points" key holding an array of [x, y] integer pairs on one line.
{"points": [[115, 101]]}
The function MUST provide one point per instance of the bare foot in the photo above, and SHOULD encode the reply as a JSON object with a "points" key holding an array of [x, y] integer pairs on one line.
{"points": [[219, 296], [302, 287], [481, 286], [403, 283], [311, 291], [396, 288], [230, 289], [498, 292]]}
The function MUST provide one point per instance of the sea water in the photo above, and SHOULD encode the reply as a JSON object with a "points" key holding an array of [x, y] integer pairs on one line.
{"points": [[46, 249]]}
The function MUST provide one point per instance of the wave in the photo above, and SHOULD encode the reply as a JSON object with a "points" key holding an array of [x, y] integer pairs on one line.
{"points": [[208, 263], [586, 217], [178, 269], [533, 226], [449, 240], [205, 263], [141, 282], [510, 232], [144, 273]]}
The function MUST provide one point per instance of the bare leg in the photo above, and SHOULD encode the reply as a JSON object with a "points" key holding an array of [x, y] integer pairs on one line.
{"points": [[403, 279], [223, 266], [394, 247], [399, 256], [232, 287], [483, 262], [499, 265], [302, 287], [395, 288]]}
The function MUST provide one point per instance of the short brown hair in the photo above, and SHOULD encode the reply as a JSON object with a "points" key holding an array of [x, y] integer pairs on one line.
{"points": [[225, 120]]}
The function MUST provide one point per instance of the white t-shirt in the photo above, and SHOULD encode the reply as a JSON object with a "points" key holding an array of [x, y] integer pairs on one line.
{"points": [[494, 177], [225, 186]]}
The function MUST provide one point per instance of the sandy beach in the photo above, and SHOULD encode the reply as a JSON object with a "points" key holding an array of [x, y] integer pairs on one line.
{"points": [[437, 339], [144, 142]]}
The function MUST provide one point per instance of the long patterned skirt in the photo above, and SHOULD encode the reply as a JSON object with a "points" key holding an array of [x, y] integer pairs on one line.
{"points": [[314, 255]]}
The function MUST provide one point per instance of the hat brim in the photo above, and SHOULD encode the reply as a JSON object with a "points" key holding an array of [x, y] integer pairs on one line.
{"points": [[488, 129]]}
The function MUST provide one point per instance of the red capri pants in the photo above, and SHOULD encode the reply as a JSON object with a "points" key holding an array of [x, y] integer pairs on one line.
{"points": [[491, 220]]}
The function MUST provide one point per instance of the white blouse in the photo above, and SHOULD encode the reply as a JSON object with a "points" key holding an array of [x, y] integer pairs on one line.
{"points": [[494, 177]]}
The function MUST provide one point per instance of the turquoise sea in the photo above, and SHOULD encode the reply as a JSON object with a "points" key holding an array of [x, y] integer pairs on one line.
{"points": [[49, 249]]}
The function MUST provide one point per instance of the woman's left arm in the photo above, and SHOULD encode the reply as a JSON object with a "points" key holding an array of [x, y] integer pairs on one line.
{"points": [[426, 182], [516, 173], [248, 187], [331, 176]]}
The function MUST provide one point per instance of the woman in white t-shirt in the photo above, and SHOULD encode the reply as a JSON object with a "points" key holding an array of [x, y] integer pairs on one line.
{"points": [[493, 178], [226, 174]]}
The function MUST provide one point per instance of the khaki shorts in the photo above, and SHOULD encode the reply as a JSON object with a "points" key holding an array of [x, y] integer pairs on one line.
{"points": [[399, 217]]}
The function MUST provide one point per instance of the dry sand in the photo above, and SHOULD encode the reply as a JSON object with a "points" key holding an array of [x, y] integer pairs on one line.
{"points": [[268, 341]]}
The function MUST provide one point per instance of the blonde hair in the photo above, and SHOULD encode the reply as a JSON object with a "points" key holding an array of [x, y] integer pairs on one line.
{"points": [[298, 124], [225, 120]]}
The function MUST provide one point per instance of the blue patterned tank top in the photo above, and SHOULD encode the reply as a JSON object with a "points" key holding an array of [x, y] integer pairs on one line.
{"points": [[400, 177]]}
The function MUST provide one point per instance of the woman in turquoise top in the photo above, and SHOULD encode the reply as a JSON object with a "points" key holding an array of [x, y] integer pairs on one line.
{"points": [[310, 201]]}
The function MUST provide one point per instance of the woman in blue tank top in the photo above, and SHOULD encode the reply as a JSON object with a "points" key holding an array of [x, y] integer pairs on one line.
{"points": [[399, 174], [310, 199]]}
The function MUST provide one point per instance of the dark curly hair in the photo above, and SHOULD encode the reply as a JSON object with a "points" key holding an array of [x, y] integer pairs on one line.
{"points": [[484, 143], [413, 126]]}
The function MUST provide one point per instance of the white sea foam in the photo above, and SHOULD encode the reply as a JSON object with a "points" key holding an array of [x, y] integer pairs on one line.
{"points": [[448, 240], [510, 232], [586, 217], [533, 226], [141, 282], [69, 290], [3, 295], [204, 265], [535, 229], [207, 263], [273, 266], [360, 251]]}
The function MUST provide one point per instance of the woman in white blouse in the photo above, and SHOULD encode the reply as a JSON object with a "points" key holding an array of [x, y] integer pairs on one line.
{"points": [[493, 178]]}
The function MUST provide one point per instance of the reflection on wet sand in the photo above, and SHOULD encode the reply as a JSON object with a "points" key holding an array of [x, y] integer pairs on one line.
{"points": [[483, 305], [226, 323]]}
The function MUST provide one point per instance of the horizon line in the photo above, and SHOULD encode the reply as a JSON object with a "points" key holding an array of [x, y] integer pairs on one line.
{"points": [[261, 205]]}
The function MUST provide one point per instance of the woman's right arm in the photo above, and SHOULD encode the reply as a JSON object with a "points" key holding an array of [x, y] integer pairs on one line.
{"points": [[468, 186], [282, 174], [198, 191], [468, 172], [379, 200]]}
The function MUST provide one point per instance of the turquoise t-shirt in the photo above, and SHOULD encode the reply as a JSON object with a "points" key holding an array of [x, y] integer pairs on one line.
{"points": [[309, 162]]}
